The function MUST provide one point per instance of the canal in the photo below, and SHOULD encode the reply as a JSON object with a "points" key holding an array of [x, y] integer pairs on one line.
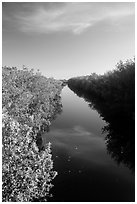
{"points": [[86, 172]]}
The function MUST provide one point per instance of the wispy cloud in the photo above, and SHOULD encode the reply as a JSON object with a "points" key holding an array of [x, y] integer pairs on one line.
{"points": [[72, 17], [81, 131], [79, 142], [76, 131]]}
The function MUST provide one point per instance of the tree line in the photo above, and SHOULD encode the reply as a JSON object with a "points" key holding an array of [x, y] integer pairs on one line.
{"points": [[30, 102], [113, 96]]}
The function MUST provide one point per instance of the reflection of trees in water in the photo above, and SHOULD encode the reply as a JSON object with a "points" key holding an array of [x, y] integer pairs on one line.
{"points": [[57, 111], [120, 129], [120, 145]]}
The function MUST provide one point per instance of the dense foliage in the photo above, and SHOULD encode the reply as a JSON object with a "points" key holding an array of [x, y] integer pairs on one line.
{"points": [[113, 96], [30, 102]]}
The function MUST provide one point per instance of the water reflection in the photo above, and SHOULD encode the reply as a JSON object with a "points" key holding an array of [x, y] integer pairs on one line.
{"points": [[82, 145], [85, 170], [120, 129], [57, 111]]}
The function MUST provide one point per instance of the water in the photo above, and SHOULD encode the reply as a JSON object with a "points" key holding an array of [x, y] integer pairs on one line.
{"points": [[86, 172]]}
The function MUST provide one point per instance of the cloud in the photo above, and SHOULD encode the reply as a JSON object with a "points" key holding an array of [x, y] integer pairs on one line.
{"points": [[79, 142], [81, 131], [76, 131], [72, 17]]}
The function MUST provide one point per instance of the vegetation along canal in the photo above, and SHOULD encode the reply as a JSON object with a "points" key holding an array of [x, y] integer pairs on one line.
{"points": [[68, 140], [86, 170]]}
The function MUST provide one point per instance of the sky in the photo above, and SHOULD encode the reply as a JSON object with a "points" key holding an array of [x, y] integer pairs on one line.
{"points": [[67, 39]]}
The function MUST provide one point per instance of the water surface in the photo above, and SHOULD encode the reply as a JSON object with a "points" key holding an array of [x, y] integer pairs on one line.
{"points": [[86, 172]]}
